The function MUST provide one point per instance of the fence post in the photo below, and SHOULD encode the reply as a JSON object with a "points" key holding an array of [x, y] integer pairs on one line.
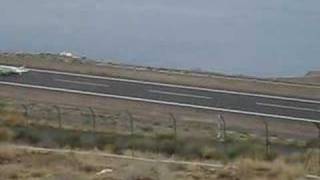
{"points": [[93, 116], [318, 127], [174, 122], [318, 143], [267, 141], [221, 126], [131, 131], [131, 122], [58, 109], [26, 112]]}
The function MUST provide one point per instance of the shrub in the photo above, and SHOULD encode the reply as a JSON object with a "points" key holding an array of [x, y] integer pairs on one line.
{"points": [[5, 134], [253, 169], [2, 105], [68, 139], [102, 141], [160, 137], [141, 171], [147, 128], [167, 146], [311, 161], [190, 150], [29, 135], [245, 149], [143, 144], [14, 120], [211, 153], [87, 140]]}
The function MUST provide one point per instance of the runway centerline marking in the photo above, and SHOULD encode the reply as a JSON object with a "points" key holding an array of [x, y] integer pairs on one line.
{"points": [[177, 86], [288, 107], [178, 94], [82, 82]]}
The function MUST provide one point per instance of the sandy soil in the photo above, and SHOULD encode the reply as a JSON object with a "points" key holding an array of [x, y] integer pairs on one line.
{"points": [[307, 79], [29, 163]]}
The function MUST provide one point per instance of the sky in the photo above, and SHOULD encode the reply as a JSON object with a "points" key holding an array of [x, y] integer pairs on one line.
{"points": [[251, 37]]}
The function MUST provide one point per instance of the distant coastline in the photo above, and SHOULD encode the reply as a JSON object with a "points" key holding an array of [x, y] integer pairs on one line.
{"points": [[313, 73], [69, 57]]}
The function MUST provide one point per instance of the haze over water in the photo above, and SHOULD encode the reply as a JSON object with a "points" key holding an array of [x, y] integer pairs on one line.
{"points": [[251, 37]]}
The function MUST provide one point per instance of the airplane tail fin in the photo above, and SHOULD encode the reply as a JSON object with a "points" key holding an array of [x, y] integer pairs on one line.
{"points": [[22, 69]]}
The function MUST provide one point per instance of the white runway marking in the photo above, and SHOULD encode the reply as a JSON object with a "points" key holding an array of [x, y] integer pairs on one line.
{"points": [[179, 94], [288, 107], [161, 102], [180, 86], [82, 83]]}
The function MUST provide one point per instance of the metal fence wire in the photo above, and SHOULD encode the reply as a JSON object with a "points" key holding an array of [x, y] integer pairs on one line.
{"points": [[65, 116]]}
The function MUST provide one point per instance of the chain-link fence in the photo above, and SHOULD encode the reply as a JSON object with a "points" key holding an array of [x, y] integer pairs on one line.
{"points": [[125, 122]]}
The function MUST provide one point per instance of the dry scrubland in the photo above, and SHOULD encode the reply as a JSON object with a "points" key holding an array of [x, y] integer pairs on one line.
{"points": [[30, 164], [207, 80], [243, 156], [313, 77]]}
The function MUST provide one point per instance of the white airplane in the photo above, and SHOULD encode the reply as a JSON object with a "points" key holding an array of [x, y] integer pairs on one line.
{"points": [[7, 70]]}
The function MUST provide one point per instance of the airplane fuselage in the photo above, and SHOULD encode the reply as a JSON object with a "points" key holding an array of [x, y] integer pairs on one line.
{"points": [[7, 70]]}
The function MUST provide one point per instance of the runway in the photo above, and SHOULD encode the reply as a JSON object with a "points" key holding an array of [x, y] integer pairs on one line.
{"points": [[262, 105]]}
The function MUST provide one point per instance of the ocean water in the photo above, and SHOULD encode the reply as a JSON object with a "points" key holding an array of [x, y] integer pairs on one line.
{"points": [[250, 37]]}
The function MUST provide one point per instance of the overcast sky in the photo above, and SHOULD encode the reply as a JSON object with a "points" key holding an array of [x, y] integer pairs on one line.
{"points": [[252, 37]]}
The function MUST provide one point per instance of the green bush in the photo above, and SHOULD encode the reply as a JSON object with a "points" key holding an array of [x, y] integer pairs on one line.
{"points": [[102, 141], [143, 144], [167, 146], [211, 153], [28, 134], [69, 139], [88, 141], [147, 128], [160, 137], [190, 149], [2, 105], [245, 149]]}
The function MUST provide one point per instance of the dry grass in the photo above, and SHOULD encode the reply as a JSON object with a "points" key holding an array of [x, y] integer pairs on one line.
{"points": [[7, 154], [27, 164], [249, 169], [5, 134], [35, 165], [24, 165], [312, 161], [14, 119]]}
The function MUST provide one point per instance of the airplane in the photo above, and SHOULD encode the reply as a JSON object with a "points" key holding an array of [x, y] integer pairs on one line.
{"points": [[8, 70]]}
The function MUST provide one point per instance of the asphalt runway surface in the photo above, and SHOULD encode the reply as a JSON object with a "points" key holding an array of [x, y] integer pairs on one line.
{"points": [[219, 100]]}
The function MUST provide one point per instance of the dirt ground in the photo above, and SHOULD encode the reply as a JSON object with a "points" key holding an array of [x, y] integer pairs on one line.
{"points": [[307, 79], [209, 80], [28, 163]]}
